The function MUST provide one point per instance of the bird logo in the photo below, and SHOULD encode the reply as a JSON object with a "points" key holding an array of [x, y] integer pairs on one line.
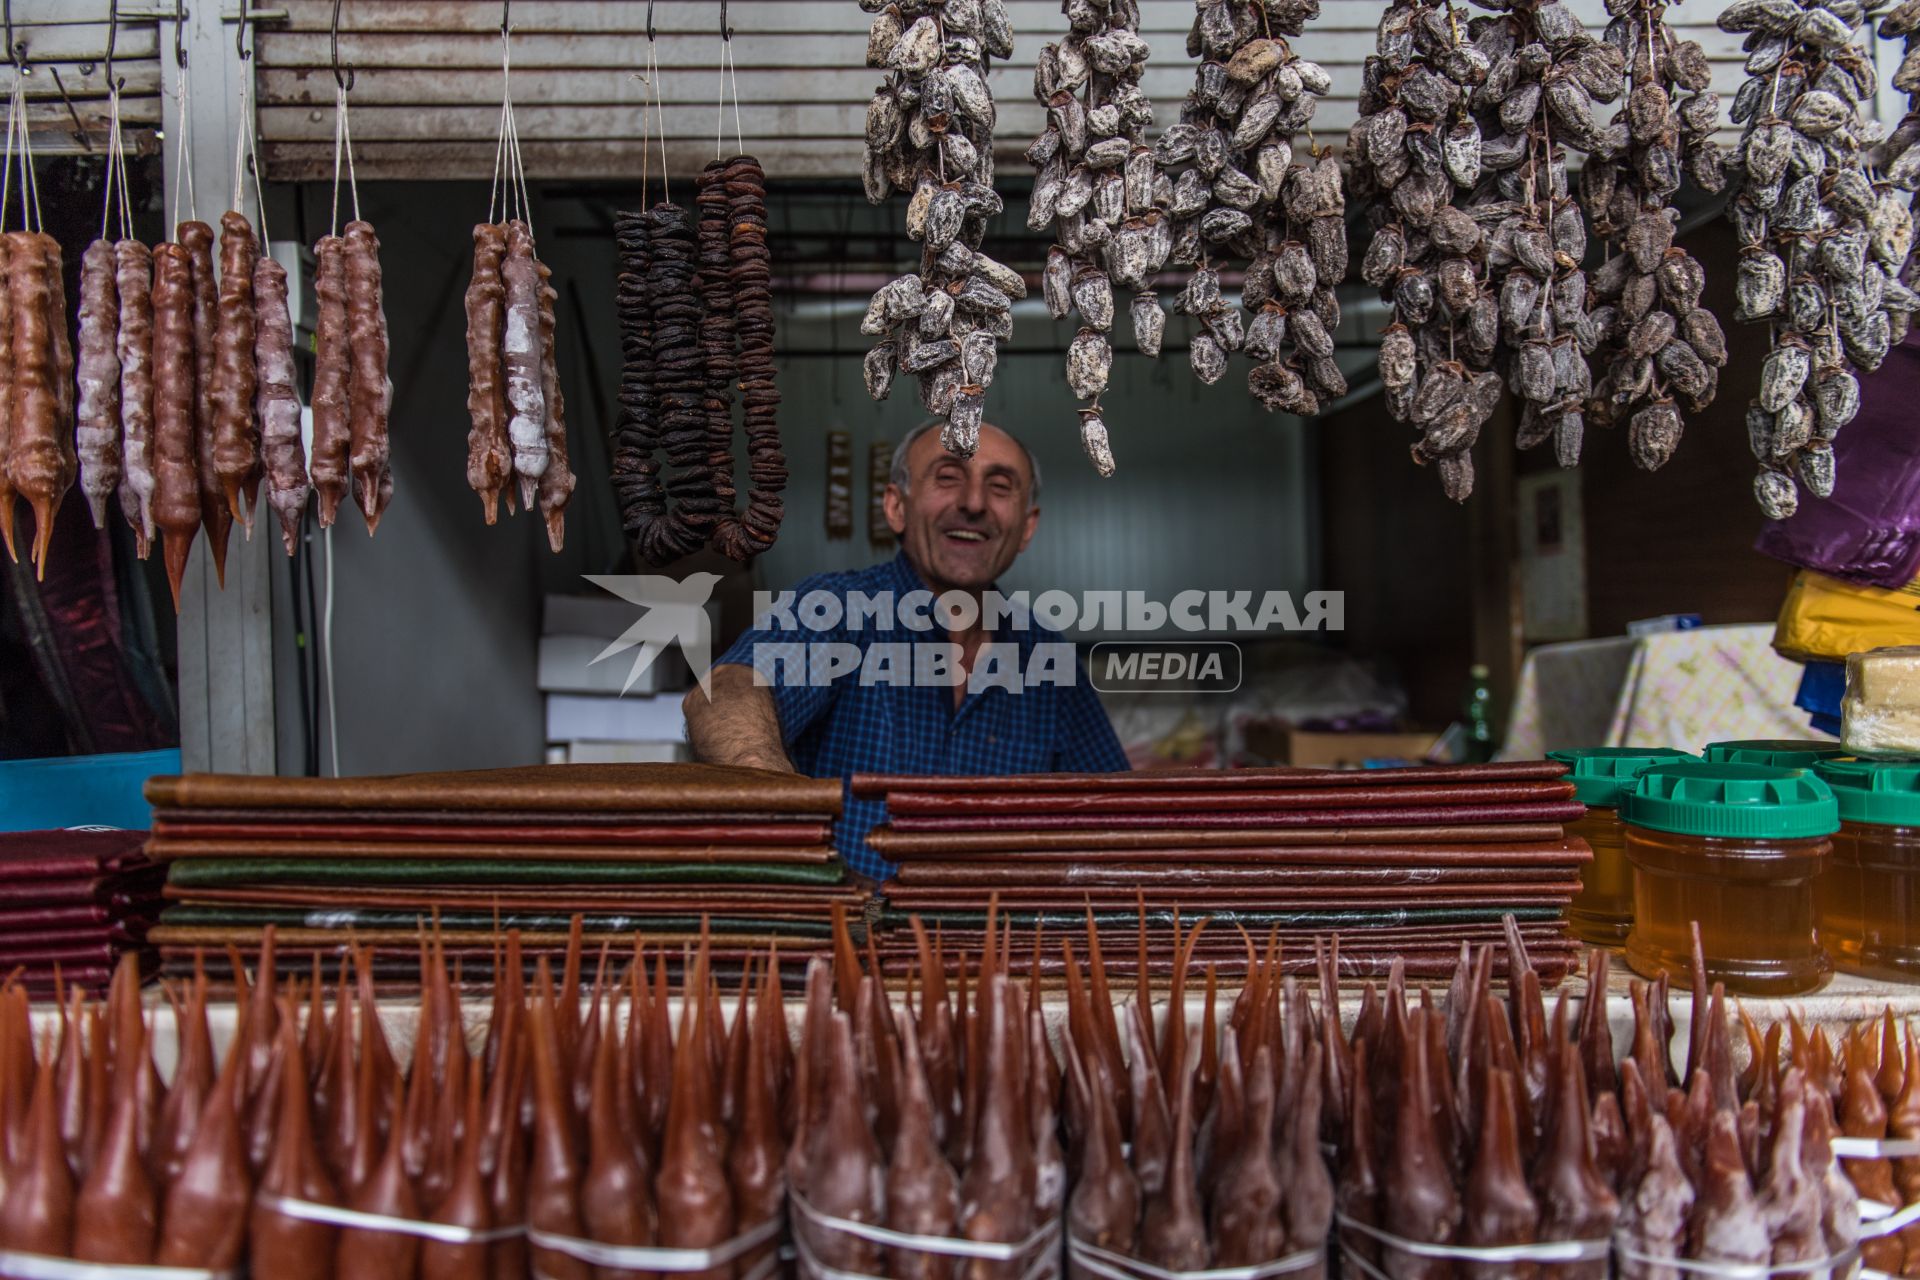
{"points": [[673, 611]]}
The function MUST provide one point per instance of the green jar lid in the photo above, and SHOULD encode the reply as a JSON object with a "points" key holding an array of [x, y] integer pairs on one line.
{"points": [[1886, 792], [1732, 801], [1775, 753], [1601, 776]]}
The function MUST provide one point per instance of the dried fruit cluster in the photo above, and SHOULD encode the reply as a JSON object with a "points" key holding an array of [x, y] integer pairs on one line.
{"points": [[1095, 182], [930, 132], [1648, 334], [1821, 247], [1240, 193], [1459, 152], [1898, 159]]}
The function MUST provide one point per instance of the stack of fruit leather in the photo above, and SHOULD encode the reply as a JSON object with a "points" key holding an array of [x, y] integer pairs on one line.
{"points": [[71, 903], [1405, 863], [635, 850]]}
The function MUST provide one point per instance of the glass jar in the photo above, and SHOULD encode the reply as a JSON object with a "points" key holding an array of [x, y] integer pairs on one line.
{"points": [[1735, 848], [1867, 904], [1774, 753], [1602, 912]]}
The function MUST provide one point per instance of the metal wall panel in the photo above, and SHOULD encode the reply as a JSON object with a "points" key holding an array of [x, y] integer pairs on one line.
{"points": [[426, 99], [66, 46]]}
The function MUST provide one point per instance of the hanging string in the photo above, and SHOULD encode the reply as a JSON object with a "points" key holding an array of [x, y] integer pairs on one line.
{"points": [[29, 181], [733, 77], [6, 163], [659, 103], [253, 166], [108, 203], [339, 118]]}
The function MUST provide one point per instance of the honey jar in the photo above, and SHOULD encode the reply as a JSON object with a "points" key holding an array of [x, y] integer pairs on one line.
{"points": [[1735, 848], [1602, 911], [1775, 753], [1868, 902]]}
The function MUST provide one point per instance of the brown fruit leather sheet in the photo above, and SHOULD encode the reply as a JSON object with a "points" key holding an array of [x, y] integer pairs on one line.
{"points": [[170, 850], [549, 788], [900, 846], [901, 804], [1208, 878], [787, 834], [870, 785], [1549, 811]]}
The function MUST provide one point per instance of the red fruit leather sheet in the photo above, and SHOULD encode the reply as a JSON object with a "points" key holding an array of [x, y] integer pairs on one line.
{"points": [[872, 785], [902, 803], [1322, 897], [470, 817], [1440, 816], [83, 951], [788, 834], [624, 788], [900, 846], [170, 850], [789, 902], [1204, 878]]}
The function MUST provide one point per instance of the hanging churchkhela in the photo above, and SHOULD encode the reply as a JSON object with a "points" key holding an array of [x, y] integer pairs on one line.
{"points": [[518, 441], [37, 459], [695, 309], [1096, 183], [1239, 193], [352, 395], [1460, 154], [1821, 248], [1657, 349], [929, 131]]}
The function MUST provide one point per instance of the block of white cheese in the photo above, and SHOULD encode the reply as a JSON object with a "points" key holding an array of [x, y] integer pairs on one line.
{"points": [[1881, 712]]}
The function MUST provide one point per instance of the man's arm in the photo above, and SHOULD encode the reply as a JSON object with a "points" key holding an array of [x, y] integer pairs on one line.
{"points": [[738, 725]]}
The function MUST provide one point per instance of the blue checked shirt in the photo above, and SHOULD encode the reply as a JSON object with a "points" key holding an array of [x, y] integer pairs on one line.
{"points": [[845, 727]]}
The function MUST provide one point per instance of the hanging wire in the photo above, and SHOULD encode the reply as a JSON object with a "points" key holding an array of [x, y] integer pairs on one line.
{"points": [[659, 100], [726, 67], [246, 109], [183, 98], [733, 78], [343, 78]]}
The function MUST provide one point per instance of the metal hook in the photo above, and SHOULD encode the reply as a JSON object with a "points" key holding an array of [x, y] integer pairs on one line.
{"points": [[726, 32], [17, 50], [343, 77], [240, 34], [649, 21], [113, 33], [180, 33], [506, 15]]}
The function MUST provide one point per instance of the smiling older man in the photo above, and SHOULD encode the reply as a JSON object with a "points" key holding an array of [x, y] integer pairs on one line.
{"points": [[896, 690]]}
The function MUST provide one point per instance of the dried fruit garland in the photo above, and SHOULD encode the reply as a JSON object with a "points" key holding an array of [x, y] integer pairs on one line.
{"points": [[1095, 182], [1652, 340], [929, 131], [1821, 246], [696, 317], [1240, 193], [1487, 289]]}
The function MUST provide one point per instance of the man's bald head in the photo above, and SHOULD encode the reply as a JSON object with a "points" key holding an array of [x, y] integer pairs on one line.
{"points": [[962, 521], [900, 474]]}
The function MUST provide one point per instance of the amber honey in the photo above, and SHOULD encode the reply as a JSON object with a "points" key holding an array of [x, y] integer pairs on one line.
{"points": [[1753, 900], [1735, 849], [1867, 904], [1602, 911]]}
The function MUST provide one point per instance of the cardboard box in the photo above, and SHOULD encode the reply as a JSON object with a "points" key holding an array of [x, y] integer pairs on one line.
{"points": [[1354, 750], [585, 717], [567, 666], [626, 752]]}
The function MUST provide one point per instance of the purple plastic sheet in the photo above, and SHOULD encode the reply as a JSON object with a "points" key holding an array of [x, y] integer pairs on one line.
{"points": [[1868, 532]]}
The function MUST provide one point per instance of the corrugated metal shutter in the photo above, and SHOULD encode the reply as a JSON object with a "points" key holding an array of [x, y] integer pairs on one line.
{"points": [[67, 97], [426, 101]]}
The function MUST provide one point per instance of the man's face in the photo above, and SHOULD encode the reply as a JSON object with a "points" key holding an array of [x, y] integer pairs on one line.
{"points": [[963, 520]]}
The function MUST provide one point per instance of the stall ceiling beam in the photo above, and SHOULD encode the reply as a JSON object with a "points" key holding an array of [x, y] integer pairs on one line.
{"points": [[427, 98]]}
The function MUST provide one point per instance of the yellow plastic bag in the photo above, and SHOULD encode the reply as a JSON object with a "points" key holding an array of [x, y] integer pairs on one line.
{"points": [[1826, 619]]}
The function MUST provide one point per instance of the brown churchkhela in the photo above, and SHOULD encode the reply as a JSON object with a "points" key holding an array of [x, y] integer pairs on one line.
{"points": [[176, 492], [370, 393], [40, 460], [557, 481], [236, 438], [521, 365], [489, 454], [276, 402], [97, 414], [332, 373], [216, 515], [133, 264]]}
